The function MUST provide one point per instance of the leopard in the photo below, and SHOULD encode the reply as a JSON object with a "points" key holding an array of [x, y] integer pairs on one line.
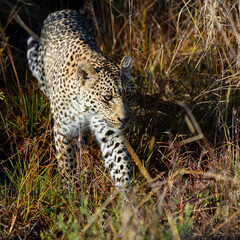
{"points": [[86, 91]]}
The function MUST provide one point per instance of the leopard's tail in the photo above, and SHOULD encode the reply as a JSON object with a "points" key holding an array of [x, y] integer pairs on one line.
{"points": [[32, 56]]}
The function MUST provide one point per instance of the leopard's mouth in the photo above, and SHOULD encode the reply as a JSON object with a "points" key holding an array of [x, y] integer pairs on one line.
{"points": [[117, 124], [114, 124]]}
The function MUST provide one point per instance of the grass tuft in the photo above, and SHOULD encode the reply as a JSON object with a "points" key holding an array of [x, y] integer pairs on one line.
{"points": [[184, 141]]}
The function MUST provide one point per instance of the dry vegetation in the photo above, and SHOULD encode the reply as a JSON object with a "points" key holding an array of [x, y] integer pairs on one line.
{"points": [[185, 133]]}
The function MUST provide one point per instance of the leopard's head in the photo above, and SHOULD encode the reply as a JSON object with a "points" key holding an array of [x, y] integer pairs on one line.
{"points": [[108, 90]]}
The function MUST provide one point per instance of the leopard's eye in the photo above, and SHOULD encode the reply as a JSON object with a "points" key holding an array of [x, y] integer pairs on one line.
{"points": [[107, 98]]}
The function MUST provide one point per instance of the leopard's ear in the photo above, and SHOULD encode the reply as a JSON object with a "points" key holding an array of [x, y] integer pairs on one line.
{"points": [[86, 73], [126, 65]]}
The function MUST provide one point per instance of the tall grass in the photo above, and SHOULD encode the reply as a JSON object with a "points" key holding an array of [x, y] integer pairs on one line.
{"points": [[185, 136]]}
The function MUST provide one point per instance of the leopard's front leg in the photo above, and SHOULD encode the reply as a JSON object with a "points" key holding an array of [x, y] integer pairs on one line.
{"points": [[67, 146], [114, 151]]}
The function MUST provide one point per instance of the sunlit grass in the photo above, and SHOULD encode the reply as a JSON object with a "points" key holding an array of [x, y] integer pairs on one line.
{"points": [[186, 154]]}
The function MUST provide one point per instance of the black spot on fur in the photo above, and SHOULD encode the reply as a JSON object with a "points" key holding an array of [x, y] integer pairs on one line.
{"points": [[110, 132], [106, 155], [117, 144]]}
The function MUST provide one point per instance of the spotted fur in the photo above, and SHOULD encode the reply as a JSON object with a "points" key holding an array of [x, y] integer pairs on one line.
{"points": [[85, 89]]}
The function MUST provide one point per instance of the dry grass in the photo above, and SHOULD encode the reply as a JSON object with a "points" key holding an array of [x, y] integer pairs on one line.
{"points": [[186, 53]]}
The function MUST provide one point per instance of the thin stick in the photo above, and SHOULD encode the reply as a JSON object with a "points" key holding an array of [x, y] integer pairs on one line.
{"points": [[18, 19], [138, 162]]}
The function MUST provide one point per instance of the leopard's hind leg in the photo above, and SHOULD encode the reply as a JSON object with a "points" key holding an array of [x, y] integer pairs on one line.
{"points": [[33, 56]]}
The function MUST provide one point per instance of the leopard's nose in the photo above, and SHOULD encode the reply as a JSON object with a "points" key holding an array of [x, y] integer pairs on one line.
{"points": [[124, 120]]}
